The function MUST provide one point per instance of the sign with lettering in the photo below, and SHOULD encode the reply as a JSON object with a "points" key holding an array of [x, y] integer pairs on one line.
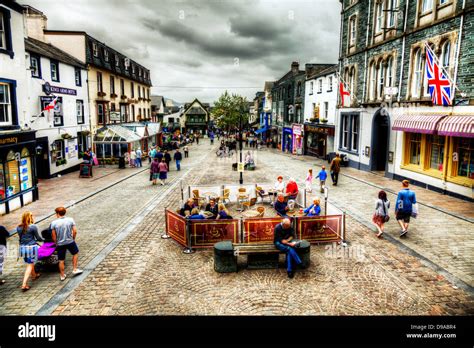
{"points": [[115, 116], [206, 233], [321, 130], [176, 227], [9, 140], [48, 89], [85, 171], [260, 230], [320, 229]]}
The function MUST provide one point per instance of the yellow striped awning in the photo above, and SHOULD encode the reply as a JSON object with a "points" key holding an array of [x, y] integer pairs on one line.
{"points": [[457, 126], [417, 123]]}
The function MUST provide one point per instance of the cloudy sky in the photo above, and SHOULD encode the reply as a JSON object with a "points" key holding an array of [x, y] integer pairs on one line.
{"points": [[193, 45]]}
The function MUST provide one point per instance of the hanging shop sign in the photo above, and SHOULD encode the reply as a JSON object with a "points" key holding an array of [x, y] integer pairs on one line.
{"points": [[48, 89]]}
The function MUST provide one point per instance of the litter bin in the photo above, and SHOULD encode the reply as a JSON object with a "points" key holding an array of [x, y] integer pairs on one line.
{"points": [[304, 252], [224, 259], [121, 162]]}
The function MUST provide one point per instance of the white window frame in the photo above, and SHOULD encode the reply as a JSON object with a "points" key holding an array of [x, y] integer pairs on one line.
{"points": [[426, 6], [373, 81], [352, 30], [6, 104], [77, 76], [446, 55], [35, 69], [80, 111], [330, 84], [380, 79], [100, 86], [379, 14], [320, 86], [95, 49], [391, 17], [418, 74], [54, 72], [3, 36], [100, 107], [354, 130], [389, 79], [346, 125]]}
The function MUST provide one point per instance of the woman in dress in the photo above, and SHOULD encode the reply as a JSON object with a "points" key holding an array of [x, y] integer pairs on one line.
{"points": [[382, 205], [29, 238], [309, 181]]}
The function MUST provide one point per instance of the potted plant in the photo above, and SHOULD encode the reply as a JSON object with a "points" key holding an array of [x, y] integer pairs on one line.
{"points": [[101, 94], [113, 95], [314, 120], [324, 120]]}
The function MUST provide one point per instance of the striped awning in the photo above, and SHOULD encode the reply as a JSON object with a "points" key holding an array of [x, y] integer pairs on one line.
{"points": [[458, 126], [417, 123]]}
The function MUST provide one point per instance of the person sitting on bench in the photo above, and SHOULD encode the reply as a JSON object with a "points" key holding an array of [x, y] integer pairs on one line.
{"points": [[223, 213], [188, 206], [212, 208], [195, 215], [284, 234], [314, 209], [292, 189], [281, 206]]}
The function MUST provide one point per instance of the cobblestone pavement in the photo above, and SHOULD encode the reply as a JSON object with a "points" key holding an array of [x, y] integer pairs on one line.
{"points": [[146, 275], [438, 234]]}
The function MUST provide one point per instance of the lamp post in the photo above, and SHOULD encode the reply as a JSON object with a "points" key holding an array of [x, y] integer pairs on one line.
{"points": [[240, 144]]}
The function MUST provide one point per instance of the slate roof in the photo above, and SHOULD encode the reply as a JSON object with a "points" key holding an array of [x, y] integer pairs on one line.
{"points": [[52, 52]]}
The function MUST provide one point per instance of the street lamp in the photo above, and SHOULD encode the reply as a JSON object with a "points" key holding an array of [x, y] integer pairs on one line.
{"points": [[240, 143]]}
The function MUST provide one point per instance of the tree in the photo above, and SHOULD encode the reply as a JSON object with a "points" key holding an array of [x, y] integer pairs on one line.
{"points": [[228, 110]]}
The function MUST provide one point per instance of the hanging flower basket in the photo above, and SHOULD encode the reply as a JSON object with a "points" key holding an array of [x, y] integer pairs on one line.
{"points": [[86, 132], [66, 136], [324, 121]]}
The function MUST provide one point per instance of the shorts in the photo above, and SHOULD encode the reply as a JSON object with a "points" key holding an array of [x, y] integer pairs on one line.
{"points": [[72, 247], [403, 216]]}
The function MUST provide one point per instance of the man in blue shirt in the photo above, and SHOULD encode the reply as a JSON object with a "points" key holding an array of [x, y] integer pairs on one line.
{"points": [[283, 236], [322, 175], [281, 206], [404, 207]]}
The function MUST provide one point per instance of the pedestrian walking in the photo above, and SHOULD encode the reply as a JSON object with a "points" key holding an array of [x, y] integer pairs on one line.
{"points": [[186, 151], [29, 238], [151, 154], [309, 181], [159, 155], [197, 139], [154, 170], [335, 169], [322, 175], [163, 169], [64, 236], [133, 158], [283, 240], [178, 157], [382, 206], [167, 158], [405, 207], [138, 161], [4, 234]]}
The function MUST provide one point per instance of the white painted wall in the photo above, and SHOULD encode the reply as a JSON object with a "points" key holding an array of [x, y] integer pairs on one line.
{"points": [[15, 69], [321, 98], [45, 125]]}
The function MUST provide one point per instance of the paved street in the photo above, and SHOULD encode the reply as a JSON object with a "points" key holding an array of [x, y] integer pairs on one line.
{"points": [[131, 270]]}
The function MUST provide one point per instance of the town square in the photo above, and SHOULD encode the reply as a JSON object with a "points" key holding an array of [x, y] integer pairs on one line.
{"points": [[317, 163]]}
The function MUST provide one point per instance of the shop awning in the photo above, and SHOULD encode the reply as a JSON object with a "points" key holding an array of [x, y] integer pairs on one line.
{"points": [[459, 126], [116, 134], [418, 123], [261, 130]]}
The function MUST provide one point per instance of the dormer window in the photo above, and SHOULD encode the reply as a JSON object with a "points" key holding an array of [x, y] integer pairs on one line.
{"points": [[117, 61], [106, 55], [95, 49]]}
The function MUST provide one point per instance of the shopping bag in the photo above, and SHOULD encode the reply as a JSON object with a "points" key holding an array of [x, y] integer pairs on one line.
{"points": [[414, 210]]}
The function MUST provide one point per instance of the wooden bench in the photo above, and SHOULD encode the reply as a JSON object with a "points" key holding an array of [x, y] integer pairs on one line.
{"points": [[259, 256]]}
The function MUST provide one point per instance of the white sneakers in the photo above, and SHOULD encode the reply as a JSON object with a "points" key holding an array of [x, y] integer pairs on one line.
{"points": [[74, 273]]}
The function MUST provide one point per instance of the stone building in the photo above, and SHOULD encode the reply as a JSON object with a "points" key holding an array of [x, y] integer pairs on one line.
{"points": [[390, 124]]}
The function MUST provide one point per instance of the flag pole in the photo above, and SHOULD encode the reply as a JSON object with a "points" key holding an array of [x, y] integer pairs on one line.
{"points": [[352, 95]]}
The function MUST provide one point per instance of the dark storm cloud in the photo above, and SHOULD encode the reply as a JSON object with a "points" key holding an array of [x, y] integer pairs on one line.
{"points": [[207, 42]]}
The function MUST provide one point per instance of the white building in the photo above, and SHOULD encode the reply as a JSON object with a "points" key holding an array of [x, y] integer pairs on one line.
{"points": [[63, 133], [320, 111], [17, 143]]}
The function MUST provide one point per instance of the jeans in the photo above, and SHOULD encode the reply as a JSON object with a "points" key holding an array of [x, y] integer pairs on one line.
{"points": [[178, 164], [138, 162], [334, 177], [291, 256]]}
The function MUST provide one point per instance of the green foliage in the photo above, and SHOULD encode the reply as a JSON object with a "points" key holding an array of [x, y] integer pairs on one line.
{"points": [[228, 110]]}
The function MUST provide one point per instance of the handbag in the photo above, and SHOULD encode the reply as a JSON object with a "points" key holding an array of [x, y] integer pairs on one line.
{"points": [[414, 211], [386, 218]]}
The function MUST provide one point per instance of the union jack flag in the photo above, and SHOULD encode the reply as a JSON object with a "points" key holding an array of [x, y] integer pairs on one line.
{"points": [[439, 85]]}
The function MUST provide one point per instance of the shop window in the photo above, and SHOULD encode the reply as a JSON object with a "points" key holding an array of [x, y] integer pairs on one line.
{"points": [[26, 179], [12, 175], [464, 154], [437, 151], [5, 104], [414, 144], [58, 150]]}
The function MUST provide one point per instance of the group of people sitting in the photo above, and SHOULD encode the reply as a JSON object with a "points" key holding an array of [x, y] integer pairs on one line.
{"points": [[216, 211], [282, 207]]}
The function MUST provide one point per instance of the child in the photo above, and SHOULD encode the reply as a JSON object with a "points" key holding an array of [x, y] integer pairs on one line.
{"points": [[309, 181], [322, 175]]}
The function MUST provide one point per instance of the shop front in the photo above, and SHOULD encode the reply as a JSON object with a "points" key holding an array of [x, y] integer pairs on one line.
{"points": [[115, 141], [297, 139], [318, 139], [17, 174], [287, 140]]}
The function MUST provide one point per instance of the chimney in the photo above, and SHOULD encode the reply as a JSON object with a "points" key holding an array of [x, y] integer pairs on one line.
{"points": [[36, 23], [295, 67]]}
